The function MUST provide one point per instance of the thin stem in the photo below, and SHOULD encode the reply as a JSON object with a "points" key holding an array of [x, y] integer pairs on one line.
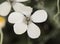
{"points": [[58, 5], [57, 9], [1, 36], [58, 12]]}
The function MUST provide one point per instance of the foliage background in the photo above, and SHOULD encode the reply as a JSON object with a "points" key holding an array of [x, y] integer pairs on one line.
{"points": [[50, 29]]}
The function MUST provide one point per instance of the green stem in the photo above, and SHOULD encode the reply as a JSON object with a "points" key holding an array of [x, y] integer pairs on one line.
{"points": [[58, 5], [57, 14], [57, 9], [1, 36]]}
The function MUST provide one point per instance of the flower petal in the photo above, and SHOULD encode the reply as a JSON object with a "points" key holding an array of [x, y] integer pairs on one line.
{"points": [[21, 0], [15, 17], [5, 8], [39, 16], [19, 7], [20, 28], [33, 31]]}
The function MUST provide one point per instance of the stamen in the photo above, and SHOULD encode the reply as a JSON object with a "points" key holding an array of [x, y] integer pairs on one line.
{"points": [[2, 22], [28, 20], [11, 2]]}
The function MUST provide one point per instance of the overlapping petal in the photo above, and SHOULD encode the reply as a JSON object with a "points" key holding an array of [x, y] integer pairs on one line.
{"points": [[19, 7], [5, 8], [33, 31], [15, 17], [20, 27], [39, 16]]}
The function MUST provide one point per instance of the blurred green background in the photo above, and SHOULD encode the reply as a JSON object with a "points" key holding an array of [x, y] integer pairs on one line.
{"points": [[50, 29]]}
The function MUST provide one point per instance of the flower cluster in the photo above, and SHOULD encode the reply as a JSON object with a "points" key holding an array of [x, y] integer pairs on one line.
{"points": [[22, 18]]}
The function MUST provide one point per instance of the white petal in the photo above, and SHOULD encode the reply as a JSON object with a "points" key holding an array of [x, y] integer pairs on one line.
{"points": [[39, 16], [5, 8], [33, 31], [15, 17], [21, 0], [19, 7], [20, 28]]}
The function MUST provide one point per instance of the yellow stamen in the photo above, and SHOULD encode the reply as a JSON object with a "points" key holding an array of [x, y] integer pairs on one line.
{"points": [[2, 19], [2, 22]]}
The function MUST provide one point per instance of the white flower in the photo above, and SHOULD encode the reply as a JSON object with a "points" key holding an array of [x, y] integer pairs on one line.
{"points": [[5, 7], [23, 20]]}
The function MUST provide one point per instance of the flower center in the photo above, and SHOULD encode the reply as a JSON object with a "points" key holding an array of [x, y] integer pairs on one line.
{"points": [[27, 20], [11, 2]]}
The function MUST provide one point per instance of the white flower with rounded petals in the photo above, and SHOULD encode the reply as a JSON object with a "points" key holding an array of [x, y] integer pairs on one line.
{"points": [[23, 21], [5, 7]]}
